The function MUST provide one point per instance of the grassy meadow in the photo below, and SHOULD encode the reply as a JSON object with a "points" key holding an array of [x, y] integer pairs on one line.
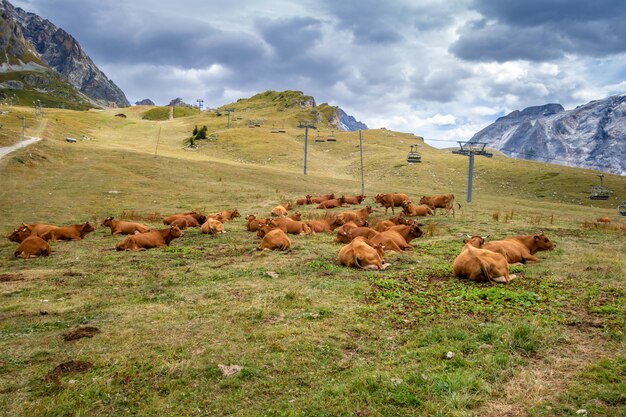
{"points": [[312, 338]]}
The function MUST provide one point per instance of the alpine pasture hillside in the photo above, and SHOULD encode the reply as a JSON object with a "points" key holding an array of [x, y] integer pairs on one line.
{"points": [[312, 338]]}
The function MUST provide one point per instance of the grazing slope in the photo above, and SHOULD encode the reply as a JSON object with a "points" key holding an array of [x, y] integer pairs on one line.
{"points": [[210, 326]]}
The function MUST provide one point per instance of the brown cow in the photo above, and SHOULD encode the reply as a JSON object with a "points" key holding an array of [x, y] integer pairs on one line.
{"points": [[305, 200], [478, 264], [255, 224], [290, 226], [518, 249], [357, 199], [397, 238], [154, 239], [33, 246], [353, 216], [275, 239], [605, 219], [444, 201], [212, 227], [295, 216], [20, 234], [333, 203], [322, 198], [121, 227], [227, 215], [200, 218], [280, 211], [390, 200], [73, 232], [362, 253], [326, 225], [26, 230], [411, 209], [185, 222], [347, 235]]}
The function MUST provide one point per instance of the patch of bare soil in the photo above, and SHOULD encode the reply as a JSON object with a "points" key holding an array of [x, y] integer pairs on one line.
{"points": [[72, 274], [68, 368], [11, 277], [544, 378], [79, 333]]}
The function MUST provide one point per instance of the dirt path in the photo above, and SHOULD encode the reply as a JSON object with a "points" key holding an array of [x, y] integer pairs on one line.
{"points": [[4, 151], [171, 115]]}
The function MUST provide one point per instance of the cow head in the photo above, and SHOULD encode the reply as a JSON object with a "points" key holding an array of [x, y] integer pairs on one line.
{"points": [[234, 214], [378, 198], [175, 232], [415, 231], [20, 234], [361, 223], [360, 198], [368, 210], [296, 216], [343, 236], [250, 217], [342, 199], [106, 222], [424, 200], [88, 228], [542, 242], [476, 241], [263, 230]]}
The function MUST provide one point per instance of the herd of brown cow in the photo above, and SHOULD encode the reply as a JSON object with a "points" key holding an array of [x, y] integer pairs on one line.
{"points": [[364, 248]]}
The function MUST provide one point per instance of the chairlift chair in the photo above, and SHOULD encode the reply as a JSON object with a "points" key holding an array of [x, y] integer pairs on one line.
{"points": [[600, 192], [414, 156], [318, 138], [274, 130], [621, 209], [331, 138]]}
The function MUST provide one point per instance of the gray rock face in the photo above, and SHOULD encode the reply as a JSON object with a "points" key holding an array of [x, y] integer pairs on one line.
{"points": [[145, 102], [347, 122], [61, 51], [590, 136]]}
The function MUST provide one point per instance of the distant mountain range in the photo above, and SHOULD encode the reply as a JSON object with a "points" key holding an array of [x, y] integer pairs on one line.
{"points": [[590, 136], [32, 46]]}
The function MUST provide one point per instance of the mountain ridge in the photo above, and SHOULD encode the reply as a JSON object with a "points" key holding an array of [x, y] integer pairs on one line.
{"points": [[591, 136], [60, 51]]}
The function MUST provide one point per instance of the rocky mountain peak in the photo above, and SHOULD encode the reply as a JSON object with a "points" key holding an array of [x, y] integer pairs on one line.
{"points": [[60, 51], [590, 136]]}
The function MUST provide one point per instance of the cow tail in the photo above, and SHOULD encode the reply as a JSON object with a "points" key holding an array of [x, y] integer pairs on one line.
{"points": [[485, 269], [458, 205], [356, 262]]}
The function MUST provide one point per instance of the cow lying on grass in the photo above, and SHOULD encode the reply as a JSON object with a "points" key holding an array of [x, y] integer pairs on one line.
{"points": [[199, 217], [121, 227], [354, 216], [254, 224], [33, 246], [410, 209], [362, 253], [275, 239], [478, 264], [153, 239], [212, 227], [73, 232], [521, 249], [26, 230]]}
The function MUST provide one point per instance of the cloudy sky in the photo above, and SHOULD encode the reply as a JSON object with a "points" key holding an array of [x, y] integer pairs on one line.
{"points": [[442, 69]]}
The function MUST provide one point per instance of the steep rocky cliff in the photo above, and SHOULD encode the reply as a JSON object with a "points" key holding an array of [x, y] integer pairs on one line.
{"points": [[60, 51], [590, 136]]}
